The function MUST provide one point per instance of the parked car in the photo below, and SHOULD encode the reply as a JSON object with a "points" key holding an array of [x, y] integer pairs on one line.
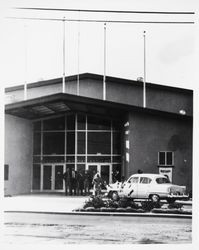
{"points": [[147, 186]]}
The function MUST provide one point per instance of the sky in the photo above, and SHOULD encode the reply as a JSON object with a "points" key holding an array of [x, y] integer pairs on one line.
{"points": [[32, 50]]}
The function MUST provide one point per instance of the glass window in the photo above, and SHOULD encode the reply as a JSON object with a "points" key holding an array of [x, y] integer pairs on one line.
{"points": [[116, 143], [81, 168], [162, 180], [166, 158], [37, 144], [161, 158], [54, 124], [6, 172], [81, 122], [70, 159], [98, 123], [70, 139], [47, 159], [53, 143], [36, 159], [81, 158], [99, 143], [81, 142], [117, 159], [36, 176], [116, 125], [37, 126], [133, 180], [145, 180], [99, 159], [169, 158], [70, 121]]}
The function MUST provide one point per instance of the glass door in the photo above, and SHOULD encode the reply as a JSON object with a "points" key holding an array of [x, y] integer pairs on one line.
{"points": [[103, 169], [105, 173], [58, 180], [47, 177], [93, 169], [53, 177]]}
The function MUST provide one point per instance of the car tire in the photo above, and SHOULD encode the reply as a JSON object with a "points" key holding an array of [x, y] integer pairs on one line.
{"points": [[170, 200], [114, 196], [155, 198]]}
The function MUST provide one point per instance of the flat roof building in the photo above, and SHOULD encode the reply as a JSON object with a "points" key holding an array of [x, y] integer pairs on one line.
{"points": [[52, 131]]}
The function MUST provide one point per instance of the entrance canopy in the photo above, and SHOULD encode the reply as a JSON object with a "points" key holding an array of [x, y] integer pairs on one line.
{"points": [[61, 103]]}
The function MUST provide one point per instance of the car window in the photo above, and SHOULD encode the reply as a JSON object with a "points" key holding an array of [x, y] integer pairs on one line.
{"points": [[145, 180], [162, 180], [133, 180]]}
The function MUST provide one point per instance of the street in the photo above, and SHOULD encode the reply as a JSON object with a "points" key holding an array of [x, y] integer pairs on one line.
{"points": [[79, 229]]}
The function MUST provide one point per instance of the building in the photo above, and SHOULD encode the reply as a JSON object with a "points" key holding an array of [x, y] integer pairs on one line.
{"points": [[52, 131]]}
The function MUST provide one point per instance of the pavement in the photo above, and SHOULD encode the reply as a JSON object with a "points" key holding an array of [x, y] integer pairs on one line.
{"points": [[61, 204], [51, 203]]}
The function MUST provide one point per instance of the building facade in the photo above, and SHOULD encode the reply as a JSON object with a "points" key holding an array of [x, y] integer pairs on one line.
{"points": [[51, 131]]}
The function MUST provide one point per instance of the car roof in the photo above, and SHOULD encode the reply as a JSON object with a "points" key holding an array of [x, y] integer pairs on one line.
{"points": [[148, 175]]}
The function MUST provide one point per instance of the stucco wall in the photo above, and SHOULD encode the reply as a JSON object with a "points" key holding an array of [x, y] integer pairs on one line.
{"points": [[151, 134], [18, 155], [168, 100], [124, 93]]}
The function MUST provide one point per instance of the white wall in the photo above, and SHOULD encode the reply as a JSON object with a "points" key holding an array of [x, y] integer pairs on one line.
{"points": [[18, 154]]}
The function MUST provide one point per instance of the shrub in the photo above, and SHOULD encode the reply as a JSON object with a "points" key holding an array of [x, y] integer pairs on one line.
{"points": [[95, 202], [149, 205]]}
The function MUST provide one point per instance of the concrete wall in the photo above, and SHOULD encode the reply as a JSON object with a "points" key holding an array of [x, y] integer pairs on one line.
{"points": [[18, 155], [151, 134], [169, 100]]}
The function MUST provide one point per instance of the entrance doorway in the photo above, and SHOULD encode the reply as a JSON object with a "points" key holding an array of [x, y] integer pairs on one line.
{"points": [[104, 170], [52, 177]]}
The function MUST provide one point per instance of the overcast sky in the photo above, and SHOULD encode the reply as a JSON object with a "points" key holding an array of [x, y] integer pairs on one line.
{"points": [[170, 50]]}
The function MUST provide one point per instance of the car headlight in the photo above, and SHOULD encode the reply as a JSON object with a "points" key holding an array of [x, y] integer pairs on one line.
{"points": [[169, 190]]}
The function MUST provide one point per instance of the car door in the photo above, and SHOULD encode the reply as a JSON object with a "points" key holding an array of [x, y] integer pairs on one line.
{"points": [[130, 187], [143, 187]]}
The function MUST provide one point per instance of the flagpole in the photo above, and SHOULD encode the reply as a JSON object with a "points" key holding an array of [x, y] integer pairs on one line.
{"points": [[104, 78], [144, 82], [78, 55], [26, 61], [64, 55]]}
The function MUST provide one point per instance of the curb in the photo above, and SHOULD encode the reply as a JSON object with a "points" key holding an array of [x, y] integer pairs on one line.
{"points": [[126, 214]]}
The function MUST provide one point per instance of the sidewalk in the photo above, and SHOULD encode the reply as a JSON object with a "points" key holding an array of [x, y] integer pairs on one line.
{"points": [[56, 203], [51, 203]]}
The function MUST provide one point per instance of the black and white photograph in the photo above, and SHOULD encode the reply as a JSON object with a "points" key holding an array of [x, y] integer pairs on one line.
{"points": [[99, 106]]}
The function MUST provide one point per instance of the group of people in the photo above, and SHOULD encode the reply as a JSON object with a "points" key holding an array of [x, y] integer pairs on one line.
{"points": [[77, 182], [81, 182]]}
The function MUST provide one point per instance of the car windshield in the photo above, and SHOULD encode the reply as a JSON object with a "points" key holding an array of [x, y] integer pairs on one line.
{"points": [[133, 180], [162, 180]]}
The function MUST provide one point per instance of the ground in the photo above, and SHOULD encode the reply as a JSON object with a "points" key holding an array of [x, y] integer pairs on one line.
{"points": [[79, 229]]}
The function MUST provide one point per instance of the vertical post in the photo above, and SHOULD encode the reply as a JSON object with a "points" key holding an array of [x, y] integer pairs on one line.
{"points": [[78, 61], [64, 56], [26, 61], [104, 78], [144, 82]]}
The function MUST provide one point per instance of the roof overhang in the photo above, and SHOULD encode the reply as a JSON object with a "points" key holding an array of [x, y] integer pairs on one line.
{"points": [[61, 103]]}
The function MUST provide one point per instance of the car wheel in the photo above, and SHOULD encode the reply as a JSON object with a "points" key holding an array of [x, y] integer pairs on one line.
{"points": [[170, 200], [155, 198], [115, 196]]}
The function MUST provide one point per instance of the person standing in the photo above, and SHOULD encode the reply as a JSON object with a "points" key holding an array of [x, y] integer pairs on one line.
{"points": [[97, 183], [74, 181], [67, 179], [80, 183], [86, 182]]}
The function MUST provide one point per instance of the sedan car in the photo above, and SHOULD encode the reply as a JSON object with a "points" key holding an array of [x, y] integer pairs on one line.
{"points": [[147, 186]]}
